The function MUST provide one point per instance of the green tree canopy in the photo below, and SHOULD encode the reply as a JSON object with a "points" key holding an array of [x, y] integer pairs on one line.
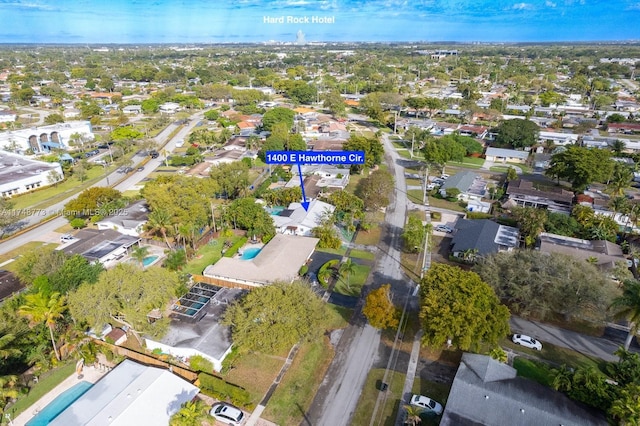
{"points": [[375, 190], [126, 292], [534, 284], [373, 150], [273, 318], [457, 305], [278, 115], [581, 166], [245, 213], [517, 133], [231, 178], [94, 201]]}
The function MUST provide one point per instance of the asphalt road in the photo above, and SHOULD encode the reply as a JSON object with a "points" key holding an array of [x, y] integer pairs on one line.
{"points": [[587, 345], [115, 179], [359, 346]]}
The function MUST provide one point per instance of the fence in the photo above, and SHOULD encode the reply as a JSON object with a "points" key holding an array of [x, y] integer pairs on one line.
{"points": [[221, 282], [185, 373]]}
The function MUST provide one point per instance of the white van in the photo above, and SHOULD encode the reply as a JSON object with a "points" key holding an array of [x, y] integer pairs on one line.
{"points": [[180, 143]]}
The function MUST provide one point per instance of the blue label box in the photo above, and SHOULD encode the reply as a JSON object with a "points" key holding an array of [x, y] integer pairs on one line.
{"points": [[314, 157]]}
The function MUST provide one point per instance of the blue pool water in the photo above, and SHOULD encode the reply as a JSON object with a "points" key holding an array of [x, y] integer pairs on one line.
{"points": [[275, 211], [250, 253], [149, 260], [58, 405]]}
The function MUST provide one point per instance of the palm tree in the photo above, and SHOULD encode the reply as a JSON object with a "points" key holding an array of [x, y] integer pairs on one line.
{"points": [[627, 306], [7, 389], [347, 268], [620, 179], [191, 413], [562, 379], [47, 309], [413, 414], [5, 350], [139, 253], [159, 221]]}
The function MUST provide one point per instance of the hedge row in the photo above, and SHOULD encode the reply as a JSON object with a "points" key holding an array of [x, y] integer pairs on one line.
{"points": [[234, 248], [219, 389]]}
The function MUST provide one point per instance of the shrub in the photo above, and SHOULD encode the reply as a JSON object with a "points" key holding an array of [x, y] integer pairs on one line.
{"points": [[436, 216], [78, 223], [219, 389], [234, 248], [200, 363], [303, 270], [478, 215]]}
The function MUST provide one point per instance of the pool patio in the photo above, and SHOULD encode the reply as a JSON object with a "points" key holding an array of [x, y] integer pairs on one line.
{"points": [[89, 374]]}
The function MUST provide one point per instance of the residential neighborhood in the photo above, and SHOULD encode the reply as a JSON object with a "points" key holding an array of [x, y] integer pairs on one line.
{"points": [[479, 265]]}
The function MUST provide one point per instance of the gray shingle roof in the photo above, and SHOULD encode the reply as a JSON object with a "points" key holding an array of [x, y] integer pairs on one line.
{"points": [[463, 181], [484, 235], [487, 392]]}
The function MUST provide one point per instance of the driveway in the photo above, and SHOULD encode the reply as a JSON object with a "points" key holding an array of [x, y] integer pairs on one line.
{"points": [[587, 345]]}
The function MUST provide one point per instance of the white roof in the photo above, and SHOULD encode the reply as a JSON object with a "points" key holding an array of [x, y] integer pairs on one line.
{"points": [[131, 394], [506, 153], [280, 259]]}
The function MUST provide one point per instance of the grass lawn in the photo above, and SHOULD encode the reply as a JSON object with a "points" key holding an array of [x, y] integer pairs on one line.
{"points": [[388, 411], [444, 204], [472, 162], [354, 179], [27, 247], [341, 251], [362, 254], [557, 355], [500, 169], [46, 382], [255, 372], [416, 195], [356, 281], [53, 194], [207, 255], [404, 153], [295, 393], [370, 237], [411, 264], [413, 182], [534, 370]]}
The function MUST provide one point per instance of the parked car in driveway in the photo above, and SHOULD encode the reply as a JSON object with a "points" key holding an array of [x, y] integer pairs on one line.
{"points": [[526, 341], [427, 403], [227, 414], [444, 228]]}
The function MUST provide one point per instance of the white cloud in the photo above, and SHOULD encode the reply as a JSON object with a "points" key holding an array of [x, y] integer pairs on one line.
{"points": [[549, 4], [522, 6], [633, 6]]}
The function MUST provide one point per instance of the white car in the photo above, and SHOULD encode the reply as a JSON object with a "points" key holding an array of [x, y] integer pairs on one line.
{"points": [[66, 238], [444, 176], [444, 228], [526, 341], [227, 413], [426, 403]]}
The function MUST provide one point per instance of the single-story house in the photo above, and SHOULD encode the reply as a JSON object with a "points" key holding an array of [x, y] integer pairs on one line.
{"points": [[557, 138], [501, 155], [132, 109], [606, 253], [169, 107], [470, 185], [295, 220], [488, 392], [482, 237], [100, 246], [523, 193], [128, 221], [280, 259], [130, 394]]}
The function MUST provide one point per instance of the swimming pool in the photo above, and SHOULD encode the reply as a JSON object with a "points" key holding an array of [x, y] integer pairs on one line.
{"points": [[58, 405], [275, 211], [250, 253], [149, 260]]}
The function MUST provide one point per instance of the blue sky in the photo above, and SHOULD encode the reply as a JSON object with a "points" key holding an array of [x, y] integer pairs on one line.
{"points": [[212, 21]]}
